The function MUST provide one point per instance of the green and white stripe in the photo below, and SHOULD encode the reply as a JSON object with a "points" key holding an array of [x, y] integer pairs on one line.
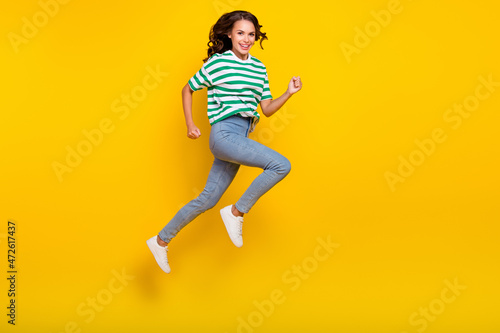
{"points": [[233, 86]]}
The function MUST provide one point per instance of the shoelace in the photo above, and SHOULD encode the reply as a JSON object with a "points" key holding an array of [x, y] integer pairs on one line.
{"points": [[166, 251], [240, 226]]}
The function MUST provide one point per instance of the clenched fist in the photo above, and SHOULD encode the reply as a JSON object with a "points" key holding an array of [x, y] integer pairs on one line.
{"points": [[193, 132]]}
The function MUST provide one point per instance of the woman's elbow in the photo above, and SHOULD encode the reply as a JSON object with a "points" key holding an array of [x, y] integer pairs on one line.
{"points": [[265, 110]]}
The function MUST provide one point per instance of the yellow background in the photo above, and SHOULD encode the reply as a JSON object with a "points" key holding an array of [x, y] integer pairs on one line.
{"points": [[346, 128]]}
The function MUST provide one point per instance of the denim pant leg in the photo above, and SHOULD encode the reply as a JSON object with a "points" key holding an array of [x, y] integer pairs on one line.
{"points": [[234, 146], [220, 177]]}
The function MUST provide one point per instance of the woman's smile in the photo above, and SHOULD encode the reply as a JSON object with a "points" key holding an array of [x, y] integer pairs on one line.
{"points": [[243, 37]]}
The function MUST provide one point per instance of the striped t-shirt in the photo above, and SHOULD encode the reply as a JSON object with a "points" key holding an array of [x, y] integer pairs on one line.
{"points": [[233, 86]]}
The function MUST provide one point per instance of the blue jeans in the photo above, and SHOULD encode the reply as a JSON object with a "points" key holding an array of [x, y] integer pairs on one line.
{"points": [[231, 147]]}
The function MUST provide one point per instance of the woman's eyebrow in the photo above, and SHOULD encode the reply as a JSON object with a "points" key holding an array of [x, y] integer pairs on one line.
{"points": [[252, 32]]}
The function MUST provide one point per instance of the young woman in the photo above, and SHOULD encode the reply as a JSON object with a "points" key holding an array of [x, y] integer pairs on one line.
{"points": [[236, 82]]}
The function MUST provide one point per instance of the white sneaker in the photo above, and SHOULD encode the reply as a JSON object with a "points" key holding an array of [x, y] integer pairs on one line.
{"points": [[160, 253], [234, 225]]}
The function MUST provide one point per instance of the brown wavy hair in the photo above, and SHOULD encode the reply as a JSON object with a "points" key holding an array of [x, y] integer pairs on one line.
{"points": [[219, 41]]}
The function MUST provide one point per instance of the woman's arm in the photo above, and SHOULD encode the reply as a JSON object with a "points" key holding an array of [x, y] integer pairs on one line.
{"points": [[270, 106], [187, 102]]}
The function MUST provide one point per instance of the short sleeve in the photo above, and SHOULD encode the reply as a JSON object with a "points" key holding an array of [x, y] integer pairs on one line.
{"points": [[266, 93], [200, 80]]}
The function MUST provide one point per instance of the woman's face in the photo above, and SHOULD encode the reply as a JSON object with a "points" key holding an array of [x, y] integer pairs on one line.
{"points": [[243, 37]]}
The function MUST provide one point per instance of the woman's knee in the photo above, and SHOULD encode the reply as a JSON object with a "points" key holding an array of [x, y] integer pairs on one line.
{"points": [[283, 166], [211, 202], [287, 167], [207, 199]]}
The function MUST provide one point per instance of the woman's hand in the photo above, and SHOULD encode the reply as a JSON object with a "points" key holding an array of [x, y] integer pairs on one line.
{"points": [[295, 85], [270, 106], [193, 132]]}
